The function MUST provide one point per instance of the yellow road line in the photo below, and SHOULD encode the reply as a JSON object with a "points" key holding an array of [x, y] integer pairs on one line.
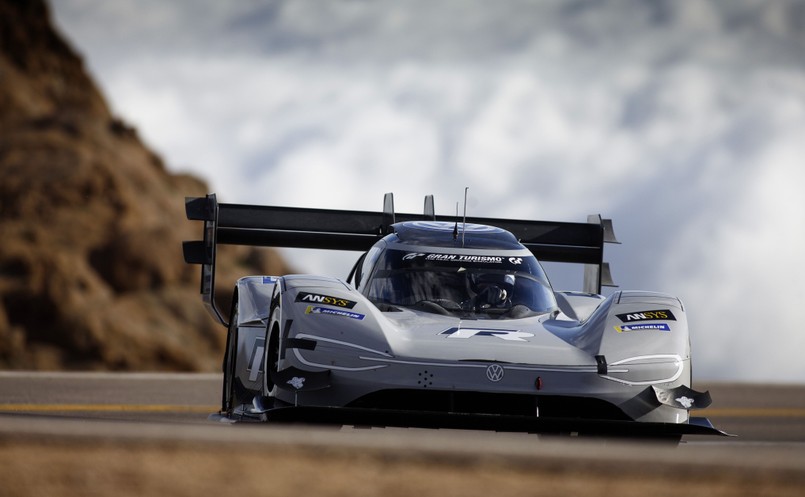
{"points": [[754, 412], [103, 408]]}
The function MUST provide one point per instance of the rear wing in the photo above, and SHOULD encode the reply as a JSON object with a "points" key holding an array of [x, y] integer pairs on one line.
{"points": [[270, 226]]}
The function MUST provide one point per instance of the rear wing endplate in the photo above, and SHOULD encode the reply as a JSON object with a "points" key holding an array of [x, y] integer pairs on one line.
{"points": [[271, 226]]}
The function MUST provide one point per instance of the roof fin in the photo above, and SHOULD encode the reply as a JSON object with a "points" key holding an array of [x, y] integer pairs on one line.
{"points": [[388, 213], [430, 211]]}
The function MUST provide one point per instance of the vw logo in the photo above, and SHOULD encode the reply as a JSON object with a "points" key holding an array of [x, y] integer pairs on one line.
{"points": [[494, 373]]}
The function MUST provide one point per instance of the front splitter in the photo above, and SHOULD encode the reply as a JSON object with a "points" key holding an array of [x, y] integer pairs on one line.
{"points": [[489, 422]]}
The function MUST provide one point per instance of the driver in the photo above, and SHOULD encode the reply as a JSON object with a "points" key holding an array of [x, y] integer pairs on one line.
{"points": [[493, 290]]}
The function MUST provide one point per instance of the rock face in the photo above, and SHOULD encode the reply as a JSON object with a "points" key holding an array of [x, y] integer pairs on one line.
{"points": [[91, 224]]}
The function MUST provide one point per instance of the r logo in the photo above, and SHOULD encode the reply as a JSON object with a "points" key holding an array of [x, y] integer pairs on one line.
{"points": [[511, 335]]}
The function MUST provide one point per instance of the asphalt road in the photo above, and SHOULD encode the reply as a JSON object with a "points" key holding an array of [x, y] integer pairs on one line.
{"points": [[151, 435], [755, 413]]}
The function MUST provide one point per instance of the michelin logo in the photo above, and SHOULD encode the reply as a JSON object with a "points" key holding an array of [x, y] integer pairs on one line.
{"points": [[311, 309], [640, 327]]}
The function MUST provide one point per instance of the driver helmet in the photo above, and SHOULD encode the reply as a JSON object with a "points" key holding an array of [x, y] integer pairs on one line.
{"points": [[494, 288]]}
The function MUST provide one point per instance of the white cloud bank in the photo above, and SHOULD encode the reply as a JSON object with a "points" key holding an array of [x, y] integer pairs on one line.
{"points": [[682, 120]]}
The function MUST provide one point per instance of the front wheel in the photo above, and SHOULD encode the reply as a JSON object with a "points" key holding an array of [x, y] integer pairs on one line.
{"points": [[272, 361]]}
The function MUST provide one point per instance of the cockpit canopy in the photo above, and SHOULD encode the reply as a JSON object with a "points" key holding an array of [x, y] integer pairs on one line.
{"points": [[466, 283]]}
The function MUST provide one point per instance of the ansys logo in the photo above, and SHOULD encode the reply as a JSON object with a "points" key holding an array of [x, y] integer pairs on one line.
{"points": [[315, 298], [657, 315]]}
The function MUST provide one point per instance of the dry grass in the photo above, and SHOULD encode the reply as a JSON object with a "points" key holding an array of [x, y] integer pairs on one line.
{"points": [[126, 468]]}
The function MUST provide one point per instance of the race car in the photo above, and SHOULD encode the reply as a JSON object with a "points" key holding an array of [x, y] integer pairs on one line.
{"points": [[445, 322]]}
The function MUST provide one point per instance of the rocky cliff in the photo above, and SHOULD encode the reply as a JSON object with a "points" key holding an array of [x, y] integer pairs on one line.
{"points": [[91, 223]]}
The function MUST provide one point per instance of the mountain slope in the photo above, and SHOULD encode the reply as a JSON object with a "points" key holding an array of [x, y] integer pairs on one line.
{"points": [[91, 222]]}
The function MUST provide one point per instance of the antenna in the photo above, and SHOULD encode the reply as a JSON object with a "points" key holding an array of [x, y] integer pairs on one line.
{"points": [[464, 225]]}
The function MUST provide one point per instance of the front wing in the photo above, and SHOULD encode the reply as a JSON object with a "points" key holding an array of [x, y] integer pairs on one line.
{"points": [[489, 422]]}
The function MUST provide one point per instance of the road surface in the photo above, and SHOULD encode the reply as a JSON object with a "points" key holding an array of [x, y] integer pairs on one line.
{"points": [[138, 434]]}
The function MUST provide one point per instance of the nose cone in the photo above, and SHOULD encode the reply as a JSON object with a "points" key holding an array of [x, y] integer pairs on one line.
{"points": [[430, 337]]}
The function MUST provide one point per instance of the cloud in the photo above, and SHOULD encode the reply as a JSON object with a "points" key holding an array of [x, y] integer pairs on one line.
{"points": [[680, 120]]}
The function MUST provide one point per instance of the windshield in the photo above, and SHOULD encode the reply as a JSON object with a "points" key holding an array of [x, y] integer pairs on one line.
{"points": [[469, 286]]}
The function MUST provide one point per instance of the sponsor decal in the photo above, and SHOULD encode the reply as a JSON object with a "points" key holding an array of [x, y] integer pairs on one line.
{"points": [[269, 280], [311, 309], [685, 402], [459, 258], [495, 373], [479, 259], [412, 255], [317, 298], [511, 335], [657, 315], [641, 327], [296, 382]]}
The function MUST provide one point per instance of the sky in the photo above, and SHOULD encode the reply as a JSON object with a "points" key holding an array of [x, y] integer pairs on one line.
{"points": [[682, 120]]}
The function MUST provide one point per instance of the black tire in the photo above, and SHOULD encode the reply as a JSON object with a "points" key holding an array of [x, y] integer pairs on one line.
{"points": [[272, 357]]}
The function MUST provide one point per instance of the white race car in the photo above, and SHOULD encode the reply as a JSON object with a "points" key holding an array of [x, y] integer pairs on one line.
{"points": [[445, 322]]}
